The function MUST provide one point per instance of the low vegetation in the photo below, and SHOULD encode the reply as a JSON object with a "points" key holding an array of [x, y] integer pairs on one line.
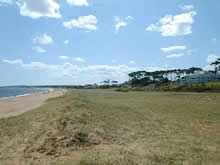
{"points": [[204, 87], [172, 87], [105, 127]]}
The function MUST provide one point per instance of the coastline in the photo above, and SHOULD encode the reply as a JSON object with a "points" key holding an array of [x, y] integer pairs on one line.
{"points": [[13, 106], [27, 94]]}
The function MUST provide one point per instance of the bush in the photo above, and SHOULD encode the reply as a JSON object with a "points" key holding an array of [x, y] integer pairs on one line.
{"points": [[138, 89], [122, 90]]}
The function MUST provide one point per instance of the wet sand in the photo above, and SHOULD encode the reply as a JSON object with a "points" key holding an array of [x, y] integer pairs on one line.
{"points": [[16, 106]]}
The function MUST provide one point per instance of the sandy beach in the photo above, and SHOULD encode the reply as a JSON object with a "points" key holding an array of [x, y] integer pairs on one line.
{"points": [[16, 106]]}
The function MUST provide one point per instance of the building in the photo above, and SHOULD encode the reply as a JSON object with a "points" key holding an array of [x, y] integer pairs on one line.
{"points": [[201, 77]]}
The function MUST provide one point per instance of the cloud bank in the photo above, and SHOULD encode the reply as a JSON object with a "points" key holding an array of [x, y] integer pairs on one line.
{"points": [[89, 74]]}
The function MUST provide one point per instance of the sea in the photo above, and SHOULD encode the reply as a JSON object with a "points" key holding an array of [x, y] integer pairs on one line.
{"points": [[10, 92]]}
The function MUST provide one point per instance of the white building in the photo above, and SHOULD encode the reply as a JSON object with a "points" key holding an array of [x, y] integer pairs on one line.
{"points": [[201, 77]]}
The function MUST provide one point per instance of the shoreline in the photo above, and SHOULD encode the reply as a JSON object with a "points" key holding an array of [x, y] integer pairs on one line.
{"points": [[27, 94], [14, 106]]}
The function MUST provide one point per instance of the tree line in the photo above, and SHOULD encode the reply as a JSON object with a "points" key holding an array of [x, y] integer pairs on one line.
{"points": [[145, 78], [216, 65], [163, 76]]}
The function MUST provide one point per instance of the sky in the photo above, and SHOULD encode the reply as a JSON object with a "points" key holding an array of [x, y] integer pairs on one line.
{"points": [[72, 42]]}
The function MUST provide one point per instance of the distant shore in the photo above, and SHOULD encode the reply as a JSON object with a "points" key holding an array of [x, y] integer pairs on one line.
{"points": [[18, 105]]}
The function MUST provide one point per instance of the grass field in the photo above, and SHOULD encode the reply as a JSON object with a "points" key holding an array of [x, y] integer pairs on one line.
{"points": [[105, 127]]}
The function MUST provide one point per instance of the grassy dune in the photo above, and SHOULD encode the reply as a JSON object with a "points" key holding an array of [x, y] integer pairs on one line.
{"points": [[105, 127]]}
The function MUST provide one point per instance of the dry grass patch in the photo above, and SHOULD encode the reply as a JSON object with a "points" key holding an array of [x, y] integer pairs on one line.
{"points": [[105, 127]]}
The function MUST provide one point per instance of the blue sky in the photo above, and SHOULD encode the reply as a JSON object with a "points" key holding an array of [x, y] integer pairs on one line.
{"points": [[87, 41]]}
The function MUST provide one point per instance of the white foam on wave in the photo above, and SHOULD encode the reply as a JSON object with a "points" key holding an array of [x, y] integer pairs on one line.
{"points": [[28, 94], [5, 98], [51, 90]]}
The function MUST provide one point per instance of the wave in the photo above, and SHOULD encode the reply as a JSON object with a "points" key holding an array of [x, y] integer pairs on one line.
{"points": [[28, 94]]}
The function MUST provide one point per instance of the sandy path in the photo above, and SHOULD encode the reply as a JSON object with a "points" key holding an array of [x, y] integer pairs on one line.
{"points": [[19, 105]]}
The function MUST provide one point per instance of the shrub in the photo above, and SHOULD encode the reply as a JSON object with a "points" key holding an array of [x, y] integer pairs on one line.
{"points": [[122, 90]]}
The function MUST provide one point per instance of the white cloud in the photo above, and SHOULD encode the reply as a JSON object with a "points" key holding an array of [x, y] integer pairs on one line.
{"points": [[131, 62], [78, 2], [84, 22], [66, 42], [212, 58], [18, 61], [175, 55], [209, 67], [177, 25], [129, 17], [43, 39], [79, 74], [39, 49], [78, 59], [187, 7], [39, 8], [166, 65], [121, 22], [63, 57], [174, 48], [5, 2], [155, 68]]}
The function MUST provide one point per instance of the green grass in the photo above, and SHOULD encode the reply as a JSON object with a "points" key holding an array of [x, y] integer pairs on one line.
{"points": [[105, 127], [204, 87]]}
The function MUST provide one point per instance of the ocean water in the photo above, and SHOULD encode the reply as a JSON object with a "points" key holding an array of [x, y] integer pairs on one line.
{"points": [[7, 92]]}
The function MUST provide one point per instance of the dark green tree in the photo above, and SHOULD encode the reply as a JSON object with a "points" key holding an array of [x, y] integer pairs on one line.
{"points": [[216, 65]]}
